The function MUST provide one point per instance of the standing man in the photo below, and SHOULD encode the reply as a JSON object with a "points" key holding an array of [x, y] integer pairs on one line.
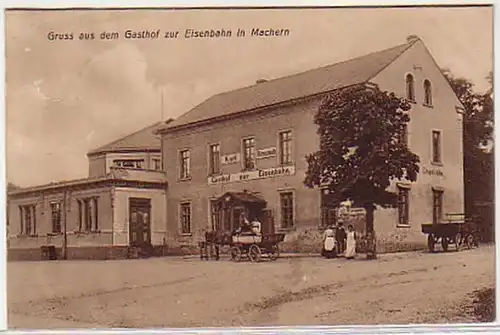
{"points": [[340, 236]]}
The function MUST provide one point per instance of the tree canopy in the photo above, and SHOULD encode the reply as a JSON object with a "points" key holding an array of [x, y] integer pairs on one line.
{"points": [[362, 147]]}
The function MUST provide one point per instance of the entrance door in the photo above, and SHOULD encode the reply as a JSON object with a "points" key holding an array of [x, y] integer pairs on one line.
{"points": [[140, 221]]}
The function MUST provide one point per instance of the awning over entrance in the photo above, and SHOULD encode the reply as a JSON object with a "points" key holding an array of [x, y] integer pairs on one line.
{"points": [[241, 199]]}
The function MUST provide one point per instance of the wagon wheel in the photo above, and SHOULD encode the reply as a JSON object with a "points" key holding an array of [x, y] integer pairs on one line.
{"points": [[444, 243], [430, 242], [469, 241], [235, 254], [254, 253], [274, 252], [458, 241]]}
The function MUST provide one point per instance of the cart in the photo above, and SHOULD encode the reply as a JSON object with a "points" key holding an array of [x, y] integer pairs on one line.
{"points": [[454, 230], [228, 213], [253, 247]]}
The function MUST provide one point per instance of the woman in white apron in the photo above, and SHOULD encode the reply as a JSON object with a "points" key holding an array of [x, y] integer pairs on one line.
{"points": [[350, 250], [329, 243]]}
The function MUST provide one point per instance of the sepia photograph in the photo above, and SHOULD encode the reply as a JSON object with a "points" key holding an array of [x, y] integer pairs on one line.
{"points": [[249, 167]]}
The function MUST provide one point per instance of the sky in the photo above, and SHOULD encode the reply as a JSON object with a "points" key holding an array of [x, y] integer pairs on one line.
{"points": [[64, 98]]}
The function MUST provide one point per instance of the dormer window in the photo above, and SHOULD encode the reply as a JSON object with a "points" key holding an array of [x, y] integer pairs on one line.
{"points": [[410, 87], [427, 93]]}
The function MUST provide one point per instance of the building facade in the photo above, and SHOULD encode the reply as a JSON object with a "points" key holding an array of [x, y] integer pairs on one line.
{"points": [[255, 139], [120, 206]]}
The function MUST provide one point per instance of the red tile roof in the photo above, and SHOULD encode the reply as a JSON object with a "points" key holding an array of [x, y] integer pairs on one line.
{"points": [[355, 71], [141, 140]]}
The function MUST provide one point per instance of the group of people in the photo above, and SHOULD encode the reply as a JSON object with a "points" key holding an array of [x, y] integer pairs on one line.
{"points": [[336, 241]]}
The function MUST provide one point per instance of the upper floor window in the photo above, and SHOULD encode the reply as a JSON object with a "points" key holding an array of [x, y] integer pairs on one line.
{"points": [[427, 93], [185, 164], [249, 153], [56, 211], [436, 146], [410, 87], [285, 146], [214, 159], [129, 163]]}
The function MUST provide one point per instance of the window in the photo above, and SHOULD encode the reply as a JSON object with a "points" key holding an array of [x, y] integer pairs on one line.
{"points": [[215, 215], [129, 163], [410, 88], [88, 215], [436, 146], [285, 147], [56, 216], [185, 218], [185, 165], [157, 164], [28, 220], [249, 153], [214, 164], [428, 93], [328, 213], [437, 207], [403, 135], [286, 205], [403, 206]]}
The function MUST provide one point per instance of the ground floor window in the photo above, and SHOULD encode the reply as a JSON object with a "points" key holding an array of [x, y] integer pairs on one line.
{"points": [[437, 207], [286, 208], [328, 212], [88, 214], [185, 216], [56, 212], [28, 220], [403, 206], [215, 215]]}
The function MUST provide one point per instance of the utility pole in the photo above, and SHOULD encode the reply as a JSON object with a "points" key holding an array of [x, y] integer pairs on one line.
{"points": [[161, 107], [65, 226]]}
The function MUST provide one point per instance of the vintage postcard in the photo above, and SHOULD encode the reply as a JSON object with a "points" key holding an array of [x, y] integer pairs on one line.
{"points": [[245, 167]]}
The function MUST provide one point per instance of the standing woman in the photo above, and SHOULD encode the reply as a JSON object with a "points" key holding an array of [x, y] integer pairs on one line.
{"points": [[350, 251], [329, 242]]}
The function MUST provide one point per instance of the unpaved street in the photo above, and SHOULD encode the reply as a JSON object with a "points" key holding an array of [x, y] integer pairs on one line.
{"points": [[176, 292]]}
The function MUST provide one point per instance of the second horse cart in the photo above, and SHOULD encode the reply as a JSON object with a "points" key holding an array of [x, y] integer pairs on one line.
{"points": [[455, 230]]}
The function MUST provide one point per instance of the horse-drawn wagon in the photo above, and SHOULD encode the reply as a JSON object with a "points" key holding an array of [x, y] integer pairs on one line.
{"points": [[454, 230], [229, 213]]}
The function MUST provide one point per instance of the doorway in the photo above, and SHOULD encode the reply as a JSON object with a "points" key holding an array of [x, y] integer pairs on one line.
{"points": [[140, 221]]}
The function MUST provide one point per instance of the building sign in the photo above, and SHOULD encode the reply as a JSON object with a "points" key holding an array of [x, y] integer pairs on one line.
{"points": [[266, 153], [230, 159], [252, 175], [433, 172]]}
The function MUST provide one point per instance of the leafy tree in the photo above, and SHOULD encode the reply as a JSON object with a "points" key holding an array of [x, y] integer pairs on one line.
{"points": [[361, 148], [478, 141]]}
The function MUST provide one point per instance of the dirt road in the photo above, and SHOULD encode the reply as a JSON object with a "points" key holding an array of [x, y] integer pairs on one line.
{"points": [[176, 292]]}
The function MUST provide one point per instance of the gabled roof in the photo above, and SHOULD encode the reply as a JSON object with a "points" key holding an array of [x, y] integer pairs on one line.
{"points": [[141, 140], [325, 79]]}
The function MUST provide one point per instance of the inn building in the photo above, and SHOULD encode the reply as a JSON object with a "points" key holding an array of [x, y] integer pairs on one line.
{"points": [[159, 186], [255, 140]]}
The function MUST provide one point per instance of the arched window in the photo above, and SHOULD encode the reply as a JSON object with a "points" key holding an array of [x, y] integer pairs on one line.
{"points": [[410, 88], [428, 92]]}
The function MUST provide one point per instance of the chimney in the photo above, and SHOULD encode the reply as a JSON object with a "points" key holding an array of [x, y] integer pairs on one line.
{"points": [[412, 39], [260, 81]]}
